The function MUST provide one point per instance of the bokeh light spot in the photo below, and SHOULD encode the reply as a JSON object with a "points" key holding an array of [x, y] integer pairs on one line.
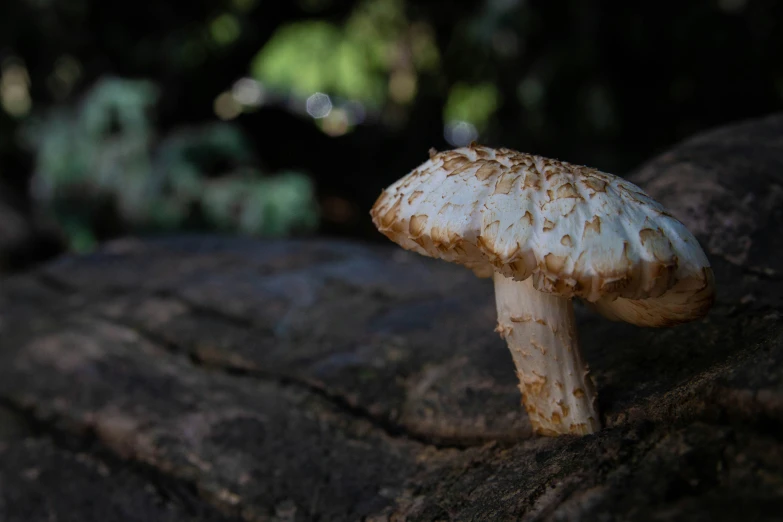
{"points": [[336, 123], [402, 86], [319, 105], [226, 107], [225, 29], [248, 92], [15, 88], [460, 133]]}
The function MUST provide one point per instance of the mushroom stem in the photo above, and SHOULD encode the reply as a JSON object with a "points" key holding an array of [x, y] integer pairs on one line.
{"points": [[540, 330]]}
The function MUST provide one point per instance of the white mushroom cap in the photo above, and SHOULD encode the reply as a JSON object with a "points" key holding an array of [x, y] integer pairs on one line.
{"points": [[576, 231]]}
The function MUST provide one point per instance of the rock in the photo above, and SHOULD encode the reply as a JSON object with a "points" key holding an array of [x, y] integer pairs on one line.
{"points": [[727, 187], [293, 380]]}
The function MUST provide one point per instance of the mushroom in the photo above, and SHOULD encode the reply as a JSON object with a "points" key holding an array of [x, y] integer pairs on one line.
{"points": [[548, 231]]}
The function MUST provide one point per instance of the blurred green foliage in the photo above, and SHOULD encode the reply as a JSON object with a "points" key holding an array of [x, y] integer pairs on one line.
{"points": [[325, 61], [472, 103], [357, 59], [602, 83], [105, 151]]}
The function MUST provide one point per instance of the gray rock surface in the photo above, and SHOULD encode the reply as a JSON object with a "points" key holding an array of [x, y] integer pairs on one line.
{"points": [[208, 378]]}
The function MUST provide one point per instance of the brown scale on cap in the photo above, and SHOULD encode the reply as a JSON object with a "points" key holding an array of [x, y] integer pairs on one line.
{"points": [[594, 185], [414, 196], [506, 182]]}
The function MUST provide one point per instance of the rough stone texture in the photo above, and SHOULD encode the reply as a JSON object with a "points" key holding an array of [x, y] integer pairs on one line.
{"points": [[211, 379], [727, 187]]}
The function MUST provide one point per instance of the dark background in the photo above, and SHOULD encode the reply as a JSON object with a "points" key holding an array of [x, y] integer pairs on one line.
{"points": [[122, 118]]}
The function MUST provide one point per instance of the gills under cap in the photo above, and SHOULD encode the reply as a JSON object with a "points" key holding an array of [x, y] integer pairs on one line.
{"points": [[576, 231]]}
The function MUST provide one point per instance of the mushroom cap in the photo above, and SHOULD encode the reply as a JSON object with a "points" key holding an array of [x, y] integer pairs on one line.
{"points": [[576, 231]]}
